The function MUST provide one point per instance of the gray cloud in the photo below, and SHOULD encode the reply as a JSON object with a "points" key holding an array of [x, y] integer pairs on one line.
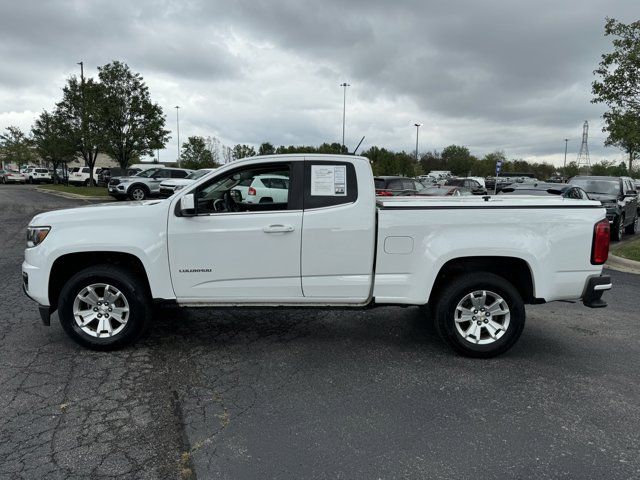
{"points": [[491, 74]]}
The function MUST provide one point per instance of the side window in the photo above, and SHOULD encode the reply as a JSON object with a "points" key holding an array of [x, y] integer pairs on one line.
{"points": [[279, 183], [325, 185], [164, 173], [240, 191], [394, 185], [629, 185], [178, 173], [583, 194], [408, 185], [85, 170]]}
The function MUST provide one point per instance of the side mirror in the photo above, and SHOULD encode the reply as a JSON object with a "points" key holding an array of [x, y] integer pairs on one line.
{"points": [[187, 205]]}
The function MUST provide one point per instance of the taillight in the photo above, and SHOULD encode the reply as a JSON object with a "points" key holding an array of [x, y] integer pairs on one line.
{"points": [[384, 193], [252, 191], [600, 246]]}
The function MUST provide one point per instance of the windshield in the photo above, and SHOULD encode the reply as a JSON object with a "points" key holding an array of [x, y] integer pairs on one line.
{"points": [[523, 191], [600, 186], [197, 174], [148, 173]]}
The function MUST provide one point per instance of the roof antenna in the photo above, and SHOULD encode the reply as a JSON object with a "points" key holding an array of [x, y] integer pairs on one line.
{"points": [[356, 149]]}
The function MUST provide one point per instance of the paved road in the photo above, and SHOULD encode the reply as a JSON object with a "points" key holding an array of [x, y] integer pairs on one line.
{"points": [[301, 394]]}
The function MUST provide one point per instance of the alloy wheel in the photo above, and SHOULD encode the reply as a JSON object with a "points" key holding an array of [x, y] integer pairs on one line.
{"points": [[482, 317], [101, 310]]}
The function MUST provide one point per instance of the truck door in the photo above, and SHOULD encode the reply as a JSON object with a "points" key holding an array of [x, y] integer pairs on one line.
{"points": [[338, 236], [232, 251]]}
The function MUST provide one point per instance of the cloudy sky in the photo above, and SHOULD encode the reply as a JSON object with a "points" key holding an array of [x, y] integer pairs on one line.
{"points": [[491, 74]]}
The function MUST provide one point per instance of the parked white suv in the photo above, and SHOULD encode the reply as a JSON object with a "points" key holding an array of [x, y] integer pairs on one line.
{"points": [[264, 189], [36, 174], [79, 176], [144, 184], [171, 186]]}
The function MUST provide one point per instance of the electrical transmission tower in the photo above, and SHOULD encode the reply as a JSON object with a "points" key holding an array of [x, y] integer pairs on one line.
{"points": [[584, 162]]}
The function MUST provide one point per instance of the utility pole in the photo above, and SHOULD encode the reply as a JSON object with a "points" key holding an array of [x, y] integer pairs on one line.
{"points": [[417, 125], [83, 122], [344, 85], [566, 142], [178, 128]]}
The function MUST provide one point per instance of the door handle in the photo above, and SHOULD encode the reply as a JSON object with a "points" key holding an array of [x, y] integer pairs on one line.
{"points": [[278, 229]]}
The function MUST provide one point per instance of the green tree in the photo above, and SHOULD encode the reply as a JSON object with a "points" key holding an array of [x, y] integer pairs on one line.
{"points": [[457, 159], [601, 168], [82, 111], [430, 161], [266, 149], [243, 151], [16, 147], [195, 154], [624, 133], [52, 140], [618, 86], [133, 124], [571, 170]]}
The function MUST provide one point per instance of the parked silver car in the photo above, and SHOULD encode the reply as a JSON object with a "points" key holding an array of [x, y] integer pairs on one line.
{"points": [[12, 176]]}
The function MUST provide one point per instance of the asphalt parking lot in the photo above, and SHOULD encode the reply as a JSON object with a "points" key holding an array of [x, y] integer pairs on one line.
{"points": [[305, 394]]}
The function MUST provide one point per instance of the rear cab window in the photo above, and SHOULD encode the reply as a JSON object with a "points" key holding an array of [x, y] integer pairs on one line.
{"points": [[329, 183]]}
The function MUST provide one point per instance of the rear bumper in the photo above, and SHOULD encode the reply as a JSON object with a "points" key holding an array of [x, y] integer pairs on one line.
{"points": [[593, 290]]}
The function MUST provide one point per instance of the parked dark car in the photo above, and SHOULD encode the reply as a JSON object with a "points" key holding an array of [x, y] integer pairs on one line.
{"points": [[396, 186], [107, 173], [618, 195], [469, 183], [444, 191], [546, 188]]}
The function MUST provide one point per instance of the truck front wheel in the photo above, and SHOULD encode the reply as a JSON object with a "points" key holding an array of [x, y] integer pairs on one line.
{"points": [[104, 307], [480, 315]]}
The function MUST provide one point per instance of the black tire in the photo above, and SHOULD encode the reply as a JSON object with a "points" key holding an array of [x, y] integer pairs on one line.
{"points": [[4, 180], [137, 190], [266, 200], [458, 288], [632, 228], [132, 288], [618, 229]]}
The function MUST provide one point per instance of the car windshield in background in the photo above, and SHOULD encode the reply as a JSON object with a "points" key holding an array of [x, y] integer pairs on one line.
{"points": [[379, 183], [523, 191], [148, 173], [603, 187], [197, 174]]}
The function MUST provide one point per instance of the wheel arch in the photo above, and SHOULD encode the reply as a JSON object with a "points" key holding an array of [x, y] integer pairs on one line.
{"points": [[513, 269], [65, 266], [139, 184]]}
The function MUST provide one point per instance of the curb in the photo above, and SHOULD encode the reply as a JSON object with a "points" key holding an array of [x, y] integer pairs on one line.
{"points": [[73, 196], [623, 264]]}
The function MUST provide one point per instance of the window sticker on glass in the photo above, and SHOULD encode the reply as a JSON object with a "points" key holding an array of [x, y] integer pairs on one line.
{"points": [[328, 180]]}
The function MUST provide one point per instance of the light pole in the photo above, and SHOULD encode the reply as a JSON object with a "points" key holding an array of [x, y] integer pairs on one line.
{"points": [[417, 125], [566, 142], [178, 129], [344, 108]]}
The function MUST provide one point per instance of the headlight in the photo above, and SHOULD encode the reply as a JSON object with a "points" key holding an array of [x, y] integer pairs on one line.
{"points": [[36, 235]]}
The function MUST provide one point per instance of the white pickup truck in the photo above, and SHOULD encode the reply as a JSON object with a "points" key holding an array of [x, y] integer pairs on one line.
{"points": [[472, 262]]}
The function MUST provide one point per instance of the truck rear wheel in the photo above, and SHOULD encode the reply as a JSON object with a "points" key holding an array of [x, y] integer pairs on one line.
{"points": [[104, 308], [480, 315]]}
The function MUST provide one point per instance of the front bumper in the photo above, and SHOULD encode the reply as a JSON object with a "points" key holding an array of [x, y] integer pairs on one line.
{"points": [[44, 310], [593, 290]]}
